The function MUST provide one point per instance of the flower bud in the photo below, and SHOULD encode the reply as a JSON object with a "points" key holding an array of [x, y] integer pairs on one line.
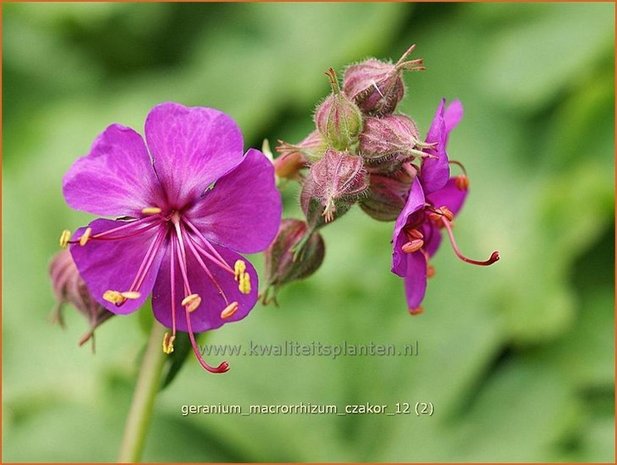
{"points": [[386, 195], [383, 138], [338, 118], [377, 86], [284, 262], [69, 287], [294, 157], [333, 185]]}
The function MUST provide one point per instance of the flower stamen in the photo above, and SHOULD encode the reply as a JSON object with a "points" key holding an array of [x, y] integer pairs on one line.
{"points": [[239, 269], [436, 215], [243, 278], [416, 311], [113, 297], [118, 298], [412, 246], [168, 343], [151, 210], [194, 250], [85, 236], [244, 284], [147, 261], [462, 180], [136, 224], [64, 238], [414, 234], [430, 271], [215, 257], [172, 280], [131, 295], [191, 302], [229, 311]]}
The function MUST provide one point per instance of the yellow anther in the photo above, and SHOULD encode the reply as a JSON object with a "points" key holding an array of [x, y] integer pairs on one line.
{"points": [[191, 302], [151, 210], [229, 310], [244, 284], [239, 269], [85, 236], [168, 343], [64, 238], [132, 295], [114, 297]]}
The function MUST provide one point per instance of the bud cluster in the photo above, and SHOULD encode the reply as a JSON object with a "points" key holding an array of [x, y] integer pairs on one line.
{"points": [[360, 151]]}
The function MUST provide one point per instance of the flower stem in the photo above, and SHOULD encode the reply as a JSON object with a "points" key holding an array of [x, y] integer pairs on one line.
{"points": [[148, 385]]}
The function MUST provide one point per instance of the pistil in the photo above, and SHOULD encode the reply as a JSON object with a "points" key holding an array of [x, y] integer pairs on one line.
{"points": [[182, 261], [492, 259]]}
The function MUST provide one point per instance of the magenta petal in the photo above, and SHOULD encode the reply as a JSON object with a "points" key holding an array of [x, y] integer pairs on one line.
{"points": [[432, 238], [435, 171], [415, 280], [191, 147], [243, 210], [113, 264], [116, 178], [399, 258], [208, 315], [414, 203], [452, 116], [449, 196]]}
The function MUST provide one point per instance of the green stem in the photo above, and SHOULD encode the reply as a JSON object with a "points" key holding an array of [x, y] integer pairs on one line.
{"points": [[148, 385]]}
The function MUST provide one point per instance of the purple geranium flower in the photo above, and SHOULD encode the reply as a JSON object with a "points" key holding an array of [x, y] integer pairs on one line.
{"points": [[434, 200], [187, 202]]}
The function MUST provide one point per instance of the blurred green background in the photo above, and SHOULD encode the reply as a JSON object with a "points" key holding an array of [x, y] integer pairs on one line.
{"points": [[517, 359]]}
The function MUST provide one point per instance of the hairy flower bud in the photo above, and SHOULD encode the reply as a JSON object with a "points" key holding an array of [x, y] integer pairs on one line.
{"points": [[383, 138], [377, 86], [333, 185], [290, 166], [294, 157], [338, 118], [69, 287], [296, 253], [386, 195]]}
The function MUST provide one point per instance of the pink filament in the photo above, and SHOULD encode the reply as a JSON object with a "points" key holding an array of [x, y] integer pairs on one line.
{"points": [[198, 233]]}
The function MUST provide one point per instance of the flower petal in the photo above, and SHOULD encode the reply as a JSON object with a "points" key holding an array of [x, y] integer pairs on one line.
{"points": [[208, 315], [116, 178], [415, 280], [113, 264], [414, 203], [399, 258], [243, 210], [191, 147], [449, 196], [435, 171], [452, 116], [432, 238]]}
